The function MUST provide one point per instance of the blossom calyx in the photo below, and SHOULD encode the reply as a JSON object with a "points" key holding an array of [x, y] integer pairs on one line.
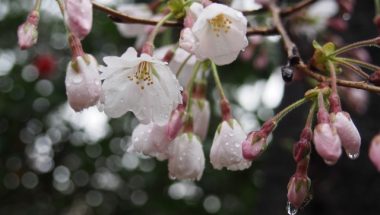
{"points": [[27, 32]]}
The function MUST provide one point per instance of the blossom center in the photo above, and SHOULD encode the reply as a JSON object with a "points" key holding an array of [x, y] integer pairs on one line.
{"points": [[143, 75], [220, 23]]}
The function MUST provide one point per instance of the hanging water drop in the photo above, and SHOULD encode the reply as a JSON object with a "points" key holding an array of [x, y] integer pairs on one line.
{"points": [[287, 73], [77, 79], [291, 209], [353, 156]]}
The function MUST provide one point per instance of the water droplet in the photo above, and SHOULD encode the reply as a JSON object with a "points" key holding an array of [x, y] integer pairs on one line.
{"points": [[237, 145], [231, 134], [227, 143], [291, 209], [172, 177], [180, 158], [136, 139], [353, 156], [77, 79]]}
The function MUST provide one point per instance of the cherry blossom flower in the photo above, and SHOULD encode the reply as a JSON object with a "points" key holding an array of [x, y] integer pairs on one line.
{"points": [[82, 82], [78, 17], [348, 133], [201, 117], [186, 158], [144, 85], [226, 149], [218, 34], [150, 140], [374, 151], [27, 32], [245, 5]]}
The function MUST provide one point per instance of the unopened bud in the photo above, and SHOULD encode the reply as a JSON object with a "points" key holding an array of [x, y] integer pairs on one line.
{"points": [[27, 32], [298, 190], [374, 151]]}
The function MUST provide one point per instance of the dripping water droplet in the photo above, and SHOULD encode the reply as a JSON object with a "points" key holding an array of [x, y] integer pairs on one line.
{"points": [[77, 79], [291, 209], [353, 156]]}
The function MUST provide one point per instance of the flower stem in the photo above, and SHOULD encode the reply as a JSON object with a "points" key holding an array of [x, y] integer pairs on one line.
{"points": [[154, 33], [354, 68], [333, 77], [191, 86], [183, 65], [217, 80], [370, 42], [310, 116], [358, 62], [37, 5], [278, 117]]}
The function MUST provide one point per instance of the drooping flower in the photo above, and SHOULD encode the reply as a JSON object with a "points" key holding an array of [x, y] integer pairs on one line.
{"points": [[218, 34], [144, 85], [201, 117], [186, 158], [137, 10], [150, 140], [348, 133], [27, 32], [374, 152], [78, 17], [226, 149], [82, 82]]}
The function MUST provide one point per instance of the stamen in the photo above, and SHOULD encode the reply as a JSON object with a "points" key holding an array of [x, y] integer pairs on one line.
{"points": [[220, 23], [143, 75]]}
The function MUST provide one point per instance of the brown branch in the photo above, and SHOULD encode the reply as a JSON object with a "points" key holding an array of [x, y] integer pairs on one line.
{"points": [[290, 47], [321, 78], [124, 18], [287, 11], [261, 31]]}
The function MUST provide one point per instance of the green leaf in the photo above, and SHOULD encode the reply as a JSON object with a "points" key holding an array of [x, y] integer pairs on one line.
{"points": [[177, 7]]}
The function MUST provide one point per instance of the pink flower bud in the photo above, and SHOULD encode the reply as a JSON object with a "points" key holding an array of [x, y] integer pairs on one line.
{"points": [[150, 140], [201, 117], [79, 17], [83, 87], [298, 190], [175, 124], [226, 149], [374, 151], [186, 158], [327, 143], [187, 40], [27, 32], [348, 133], [254, 145]]}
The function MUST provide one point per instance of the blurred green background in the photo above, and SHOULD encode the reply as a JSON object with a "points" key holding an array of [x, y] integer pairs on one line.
{"points": [[56, 161]]}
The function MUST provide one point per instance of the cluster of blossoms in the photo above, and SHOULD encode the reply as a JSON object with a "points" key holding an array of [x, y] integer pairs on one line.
{"points": [[166, 91]]}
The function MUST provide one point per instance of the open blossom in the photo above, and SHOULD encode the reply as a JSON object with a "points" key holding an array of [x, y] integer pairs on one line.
{"points": [[348, 133], [82, 82], [186, 158], [151, 140], [138, 10], [327, 143], [218, 34], [226, 149], [374, 151], [201, 117], [27, 32], [78, 17], [144, 85]]}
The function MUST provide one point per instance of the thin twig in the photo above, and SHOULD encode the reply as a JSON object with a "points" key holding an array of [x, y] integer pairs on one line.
{"points": [[124, 18], [287, 11], [321, 78], [261, 31]]}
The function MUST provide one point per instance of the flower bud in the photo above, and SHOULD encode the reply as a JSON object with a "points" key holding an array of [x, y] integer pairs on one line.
{"points": [[374, 151], [175, 124], [78, 17], [150, 140], [327, 143], [186, 158], [374, 78], [83, 87], [201, 117], [27, 32], [348, 133], [256, 141], [226, 149], [298, 190], [187, 41]]}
